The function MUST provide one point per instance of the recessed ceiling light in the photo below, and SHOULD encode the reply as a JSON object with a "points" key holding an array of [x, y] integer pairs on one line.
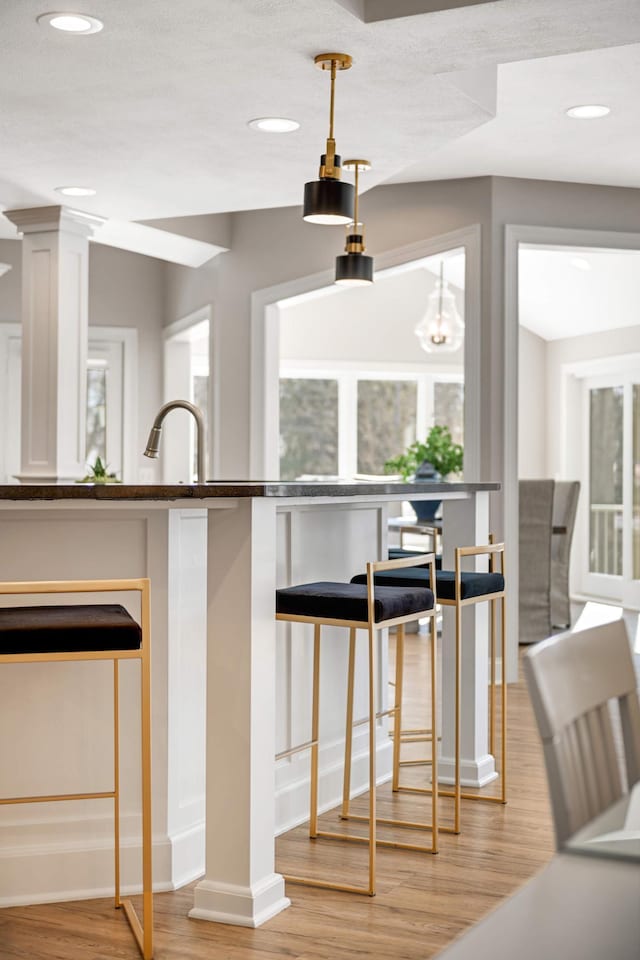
{"points": [[580, 263], [274, 124], [588, 111], [76, 191], [71, 22]]}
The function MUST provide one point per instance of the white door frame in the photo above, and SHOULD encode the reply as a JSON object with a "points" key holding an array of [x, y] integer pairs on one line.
{"points": [[124, 409], [514, 235], [265, 347], [171, 332]]}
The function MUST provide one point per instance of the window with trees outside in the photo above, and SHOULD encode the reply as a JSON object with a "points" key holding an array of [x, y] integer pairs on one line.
{"points": [[348, 422]]}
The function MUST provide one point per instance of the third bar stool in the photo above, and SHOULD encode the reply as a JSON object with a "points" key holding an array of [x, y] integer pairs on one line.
{"points": [[359, 607]]}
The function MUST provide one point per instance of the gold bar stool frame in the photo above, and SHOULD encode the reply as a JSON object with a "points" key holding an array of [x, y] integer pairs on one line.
{"points": [[459, 601], [39, 634], [460, 589], [311, 603]]}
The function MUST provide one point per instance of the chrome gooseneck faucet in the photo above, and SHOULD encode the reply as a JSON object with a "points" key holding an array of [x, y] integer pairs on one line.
{"points": [[153, 443]]}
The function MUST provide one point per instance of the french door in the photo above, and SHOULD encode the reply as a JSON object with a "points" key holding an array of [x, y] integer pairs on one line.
{"points": [[612, 412]]}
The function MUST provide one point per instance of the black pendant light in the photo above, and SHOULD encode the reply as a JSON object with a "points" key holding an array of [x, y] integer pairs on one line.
{"points": [[329, 200], [354, 267]]}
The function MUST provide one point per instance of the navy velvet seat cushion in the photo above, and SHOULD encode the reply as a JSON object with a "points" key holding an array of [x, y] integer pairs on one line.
{"points": [[471, 584], [399, 553], [68, 629], [348, 601]]}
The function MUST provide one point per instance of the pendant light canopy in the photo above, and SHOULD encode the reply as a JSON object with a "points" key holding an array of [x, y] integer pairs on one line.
{"points": [[329, 200], [441, 330], [354, 268]]}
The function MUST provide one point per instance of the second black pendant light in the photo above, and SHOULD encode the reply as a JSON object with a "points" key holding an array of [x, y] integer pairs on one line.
{"points": [[354, 267]]}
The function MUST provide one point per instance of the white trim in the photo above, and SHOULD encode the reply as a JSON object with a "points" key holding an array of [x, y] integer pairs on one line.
{"points": [[182, 329], [127, 337], [265, 352]]}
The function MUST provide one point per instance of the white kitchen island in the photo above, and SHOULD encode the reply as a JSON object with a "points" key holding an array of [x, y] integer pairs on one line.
{"points": [[215, 554]]}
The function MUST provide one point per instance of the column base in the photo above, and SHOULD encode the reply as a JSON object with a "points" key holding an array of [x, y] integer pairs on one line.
{"points": [[242, 906], [473, 773]]}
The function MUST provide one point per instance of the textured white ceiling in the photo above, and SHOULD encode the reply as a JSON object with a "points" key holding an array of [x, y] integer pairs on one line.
{"points": [[152, 111], [573, 291]]}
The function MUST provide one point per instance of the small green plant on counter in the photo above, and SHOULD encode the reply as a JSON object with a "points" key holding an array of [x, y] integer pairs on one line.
{"points": [[98, 474], [437, 448]]}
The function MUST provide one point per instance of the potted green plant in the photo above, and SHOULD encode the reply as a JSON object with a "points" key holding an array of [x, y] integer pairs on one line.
{"points": [[431, 459], [98, 473]]}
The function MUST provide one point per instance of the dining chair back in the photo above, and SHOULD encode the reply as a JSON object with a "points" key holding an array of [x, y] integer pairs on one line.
{"points": [[573, 680]]}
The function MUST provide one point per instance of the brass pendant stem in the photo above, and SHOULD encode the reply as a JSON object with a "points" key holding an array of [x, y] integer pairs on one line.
{"points": [[332, 100], [355, 202]]}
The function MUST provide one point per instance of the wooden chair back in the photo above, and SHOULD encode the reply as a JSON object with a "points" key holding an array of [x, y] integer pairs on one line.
{"points": [[572, 678]]}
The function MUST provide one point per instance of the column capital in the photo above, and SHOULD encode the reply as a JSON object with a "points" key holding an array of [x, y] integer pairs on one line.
{"points": [[54, 219]]}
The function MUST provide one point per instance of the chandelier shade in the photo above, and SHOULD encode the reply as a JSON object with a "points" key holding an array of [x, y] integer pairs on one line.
{"points": [[328, 201], [441, 330]]}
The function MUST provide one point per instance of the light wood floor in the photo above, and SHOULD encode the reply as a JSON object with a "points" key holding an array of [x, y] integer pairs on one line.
{"points": [[423, 901]]}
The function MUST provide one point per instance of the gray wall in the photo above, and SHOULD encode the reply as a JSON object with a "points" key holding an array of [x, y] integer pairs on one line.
{"points": [[270, 247], [125, 290], [10, 296]]}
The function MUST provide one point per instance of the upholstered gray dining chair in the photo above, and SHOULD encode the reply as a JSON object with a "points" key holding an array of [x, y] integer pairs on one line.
{"points": [[565, 505], [536, 520]]}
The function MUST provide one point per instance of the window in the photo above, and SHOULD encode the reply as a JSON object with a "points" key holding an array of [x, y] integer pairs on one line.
{"points": [[346, 422], [386, 417], [308, 427], [96, 443]]}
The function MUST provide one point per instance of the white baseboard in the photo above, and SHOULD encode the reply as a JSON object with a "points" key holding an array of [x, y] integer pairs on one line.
{"points": [[293, 780], [36, 869]]}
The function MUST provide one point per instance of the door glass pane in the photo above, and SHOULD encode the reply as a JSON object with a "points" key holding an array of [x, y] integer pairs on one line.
{"points": [[386, 421], [636, 482], [448, 408], [308, 428], [605, 480], [96, 413]]}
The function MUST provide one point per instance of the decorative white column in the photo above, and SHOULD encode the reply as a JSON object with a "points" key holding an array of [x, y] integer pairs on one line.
{"points": [[240, 885], [55, 281], [466, 523]]}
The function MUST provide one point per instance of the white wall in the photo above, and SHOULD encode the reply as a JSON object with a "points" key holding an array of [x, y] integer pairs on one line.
{"points": [[564, 451], [374, 323], [532, 405]]}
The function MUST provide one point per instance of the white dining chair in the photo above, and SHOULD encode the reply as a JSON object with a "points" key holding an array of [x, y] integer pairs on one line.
{"points": [[573, 680]]}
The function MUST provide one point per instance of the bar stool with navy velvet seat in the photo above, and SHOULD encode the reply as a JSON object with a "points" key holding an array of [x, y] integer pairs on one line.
{"points": [[96, 631], [372, 608], [461, 588]]}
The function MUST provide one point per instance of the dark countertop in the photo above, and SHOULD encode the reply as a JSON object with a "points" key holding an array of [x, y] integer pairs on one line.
{"points": [[232, 489]]}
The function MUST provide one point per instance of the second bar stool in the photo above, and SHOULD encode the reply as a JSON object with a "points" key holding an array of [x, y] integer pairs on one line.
{"points": [[461, 588], [359, 607]]}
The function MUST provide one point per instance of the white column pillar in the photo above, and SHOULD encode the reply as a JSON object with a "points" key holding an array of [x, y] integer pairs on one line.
{"points": [[466, 524], [55, 281], [240, 885]]}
